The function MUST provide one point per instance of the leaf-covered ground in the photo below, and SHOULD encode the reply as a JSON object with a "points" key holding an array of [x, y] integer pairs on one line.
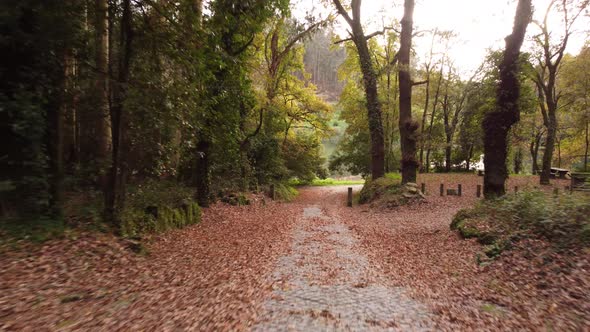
{"points": [[205, 277], [218, 275]]}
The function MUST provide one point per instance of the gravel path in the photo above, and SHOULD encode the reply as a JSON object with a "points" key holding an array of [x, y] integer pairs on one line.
{"points": [[326, 283]]}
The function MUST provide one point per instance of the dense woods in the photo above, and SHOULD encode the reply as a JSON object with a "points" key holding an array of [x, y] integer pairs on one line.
{"points": [[216, 97]]}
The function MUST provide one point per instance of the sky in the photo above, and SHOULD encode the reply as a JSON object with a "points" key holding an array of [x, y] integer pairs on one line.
{"points": [[479, 25]]}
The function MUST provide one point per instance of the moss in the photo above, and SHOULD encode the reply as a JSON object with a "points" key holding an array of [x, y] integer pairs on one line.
{"points": [[136, 222], [460, 217], [375, 189]]}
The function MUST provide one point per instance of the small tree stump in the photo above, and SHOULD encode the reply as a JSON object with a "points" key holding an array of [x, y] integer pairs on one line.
{"points": [[479, 190]]}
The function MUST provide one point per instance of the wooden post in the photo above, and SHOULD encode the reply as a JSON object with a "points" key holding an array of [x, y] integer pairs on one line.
{"points": [[442, 189], [516, 189], [272, 192], [424, 188], [478, 190], [349, 202], [459, 190]]}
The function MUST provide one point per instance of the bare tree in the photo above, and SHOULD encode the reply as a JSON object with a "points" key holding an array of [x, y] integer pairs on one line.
{"points": [[497, 124], [548, 65]]}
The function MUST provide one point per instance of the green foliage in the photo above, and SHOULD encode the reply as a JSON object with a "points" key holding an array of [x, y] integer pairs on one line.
{"points": [[497, 223], [157, 206], [380, 188], [34, 230], [285, 192]]}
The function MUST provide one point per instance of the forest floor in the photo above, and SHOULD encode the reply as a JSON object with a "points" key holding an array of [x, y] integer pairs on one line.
{"points": [[312, 264]]}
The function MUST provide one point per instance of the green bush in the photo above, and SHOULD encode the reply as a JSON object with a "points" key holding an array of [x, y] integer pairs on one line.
{"points": [[138, 222], [158, 206], [285, 192], [564, 221]]}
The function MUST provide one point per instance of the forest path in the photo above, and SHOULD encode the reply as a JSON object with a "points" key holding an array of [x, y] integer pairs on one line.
{"points": [[328, 283]]}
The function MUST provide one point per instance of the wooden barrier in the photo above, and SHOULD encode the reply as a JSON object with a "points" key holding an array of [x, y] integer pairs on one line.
{"points": [[479, 190], [442, 189], [459, 190], [272, 192], [349, 201], [423, 187]]}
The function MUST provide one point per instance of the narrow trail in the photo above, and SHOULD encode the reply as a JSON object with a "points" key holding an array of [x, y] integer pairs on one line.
{"points": [[327, 283]]}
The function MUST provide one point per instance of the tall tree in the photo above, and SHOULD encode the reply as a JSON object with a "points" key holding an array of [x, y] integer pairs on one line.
{"points": [[101, 123], [546, 74], [497, 124], [407, 127], [115, 190], [357, 35]]}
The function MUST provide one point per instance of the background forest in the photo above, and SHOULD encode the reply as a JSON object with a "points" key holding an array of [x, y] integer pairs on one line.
{"points": [[136, 104]]}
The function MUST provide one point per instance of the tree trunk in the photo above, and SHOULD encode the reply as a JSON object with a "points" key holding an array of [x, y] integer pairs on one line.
{"points": [[373, 108], [436, 95], [115, 193], [517, 160], [549, 147], [424, 117], [587, 145], [370, 85], [56, 119], [101, 121], [497, 124], [448, 151], [202, 173], [407, 126]]}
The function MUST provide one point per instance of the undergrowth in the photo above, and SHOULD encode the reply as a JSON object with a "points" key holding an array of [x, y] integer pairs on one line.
{"points": [[285, 192], [157, 206], [381, 188], [563, 221]]}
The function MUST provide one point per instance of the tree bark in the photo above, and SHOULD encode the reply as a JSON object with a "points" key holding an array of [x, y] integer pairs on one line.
{"points": [[116, 190], [101, 121], [587, 132], [203, 176], [407, 126], [534, 149], [497, 124], [436, 96]]}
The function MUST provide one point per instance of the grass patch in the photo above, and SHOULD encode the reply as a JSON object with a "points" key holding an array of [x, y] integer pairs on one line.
{"points": [[37, 230], [498, 223], [285, 192]]}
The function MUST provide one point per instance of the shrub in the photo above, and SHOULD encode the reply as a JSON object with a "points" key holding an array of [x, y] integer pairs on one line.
{"points": [[285, 192], [158, 206], [563, 221]]}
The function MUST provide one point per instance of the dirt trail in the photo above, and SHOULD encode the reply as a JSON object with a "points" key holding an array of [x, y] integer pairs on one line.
{"points": [[327, 282]]}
